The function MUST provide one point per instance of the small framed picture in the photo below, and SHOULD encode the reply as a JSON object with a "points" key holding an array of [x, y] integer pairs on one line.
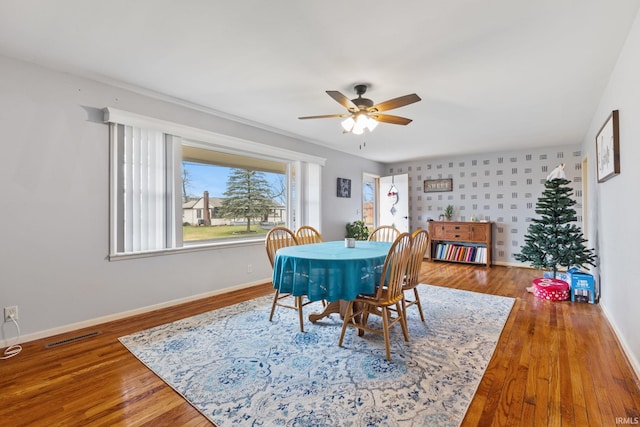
{"points": [[438, 185], [344, 187], [608, 148]]}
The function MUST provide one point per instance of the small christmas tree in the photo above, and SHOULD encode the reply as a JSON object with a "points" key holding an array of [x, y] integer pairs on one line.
{"points": [[554, 239]]}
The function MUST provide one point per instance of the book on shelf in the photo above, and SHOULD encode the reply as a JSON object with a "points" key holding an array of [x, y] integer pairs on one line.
{"points": [[461, 253]]}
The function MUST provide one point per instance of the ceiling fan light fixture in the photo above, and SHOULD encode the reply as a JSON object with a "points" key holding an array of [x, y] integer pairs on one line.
{"points": [[361, 123], [357, 130], [348, 123], [362, 120], [358, 125]]}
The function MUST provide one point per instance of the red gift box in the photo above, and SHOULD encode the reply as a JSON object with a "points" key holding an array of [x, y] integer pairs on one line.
{"points": [[551, 289]]}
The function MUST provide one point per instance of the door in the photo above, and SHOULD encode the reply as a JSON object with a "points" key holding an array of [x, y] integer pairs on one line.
{"points": [[394, 202]]}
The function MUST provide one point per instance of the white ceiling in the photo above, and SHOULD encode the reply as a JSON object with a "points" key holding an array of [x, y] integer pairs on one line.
{"points": [[493, 75]]}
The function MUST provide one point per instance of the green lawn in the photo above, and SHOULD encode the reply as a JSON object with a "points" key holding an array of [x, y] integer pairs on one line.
{"points": [[194, 233]]}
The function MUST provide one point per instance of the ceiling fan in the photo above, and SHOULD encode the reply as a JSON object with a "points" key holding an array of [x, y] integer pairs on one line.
{"points": [[363, 114]]}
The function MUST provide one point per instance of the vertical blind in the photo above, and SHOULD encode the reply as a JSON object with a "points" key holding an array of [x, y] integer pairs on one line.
{"points": [[308, 194], [142, 189]]}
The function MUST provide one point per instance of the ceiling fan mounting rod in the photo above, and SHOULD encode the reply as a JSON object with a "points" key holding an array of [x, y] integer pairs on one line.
{"points": [[360, 102], [360, 89]]}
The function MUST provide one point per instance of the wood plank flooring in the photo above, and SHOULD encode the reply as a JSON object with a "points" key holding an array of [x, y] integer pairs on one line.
{"points": [[556, 364]]}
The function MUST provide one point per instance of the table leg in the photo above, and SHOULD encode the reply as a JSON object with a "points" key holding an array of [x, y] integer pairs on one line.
{"points": [[332, 307], [339, 306]]}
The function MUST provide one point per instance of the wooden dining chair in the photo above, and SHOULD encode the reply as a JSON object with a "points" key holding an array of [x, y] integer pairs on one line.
{"points": [[281, 237], [386, 301], [384, 233], [419, 244], [307, 235]]}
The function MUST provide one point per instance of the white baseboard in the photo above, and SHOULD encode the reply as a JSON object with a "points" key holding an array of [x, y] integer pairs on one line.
{"points": [[633, 360], [117, 316], [510, 264]]}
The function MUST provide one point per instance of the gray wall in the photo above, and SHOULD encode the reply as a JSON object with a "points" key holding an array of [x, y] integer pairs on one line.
{"points": [[613, 206], [54, 222], [499, 187]]}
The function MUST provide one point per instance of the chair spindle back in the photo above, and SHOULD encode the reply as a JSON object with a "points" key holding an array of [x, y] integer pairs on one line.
{"points": [[384, 233], [278, 237], [307, 235]]}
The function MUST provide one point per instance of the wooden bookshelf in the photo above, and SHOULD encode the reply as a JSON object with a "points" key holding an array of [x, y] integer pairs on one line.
{"points": [[463, 242]]}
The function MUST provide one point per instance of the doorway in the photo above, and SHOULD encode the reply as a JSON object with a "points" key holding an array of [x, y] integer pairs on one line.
{"points": [[393, 195]]}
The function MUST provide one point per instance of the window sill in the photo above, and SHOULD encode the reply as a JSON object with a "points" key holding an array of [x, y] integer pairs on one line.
{"points": [[190, 247]]}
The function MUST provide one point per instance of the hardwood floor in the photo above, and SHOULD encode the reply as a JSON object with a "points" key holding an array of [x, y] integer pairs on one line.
{"points": [[556, 364]]}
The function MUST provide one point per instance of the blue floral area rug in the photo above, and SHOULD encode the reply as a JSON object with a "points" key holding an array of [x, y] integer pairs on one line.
{"points": [[239, 369]]}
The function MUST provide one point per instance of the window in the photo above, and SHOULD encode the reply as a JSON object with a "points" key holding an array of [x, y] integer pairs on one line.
{"points": [[245, 196], [158, 203], [369, 197]]}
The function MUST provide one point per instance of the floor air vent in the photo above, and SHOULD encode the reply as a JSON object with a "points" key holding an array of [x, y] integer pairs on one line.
{"points": [[70, 340]]}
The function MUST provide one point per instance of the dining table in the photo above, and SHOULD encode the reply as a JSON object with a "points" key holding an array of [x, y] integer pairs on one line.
{"points": [[330, 271]]}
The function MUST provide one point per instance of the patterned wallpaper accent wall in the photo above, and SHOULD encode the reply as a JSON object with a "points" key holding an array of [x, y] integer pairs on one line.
{"points": [[499, 187]]}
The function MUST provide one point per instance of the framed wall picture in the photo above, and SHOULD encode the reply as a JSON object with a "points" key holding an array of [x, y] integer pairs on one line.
{"points": [[344, 187], [608, 148], [438, 185]]}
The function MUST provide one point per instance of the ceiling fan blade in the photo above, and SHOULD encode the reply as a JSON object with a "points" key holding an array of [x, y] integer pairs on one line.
{"points": [[395, 103], [343, 100], [394, 120], [327, 116]]}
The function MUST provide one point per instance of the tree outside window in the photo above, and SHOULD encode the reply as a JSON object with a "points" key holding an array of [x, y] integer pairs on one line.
{"points": [[247, 196], [244, 202]]}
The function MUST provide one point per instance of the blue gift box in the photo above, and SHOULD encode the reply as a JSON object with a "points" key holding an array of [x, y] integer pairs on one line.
{"points": [[582, 286], [560, 275]]}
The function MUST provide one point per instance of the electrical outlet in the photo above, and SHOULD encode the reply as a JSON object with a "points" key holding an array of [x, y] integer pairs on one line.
{"points": [[11, 312], [249, 268]]}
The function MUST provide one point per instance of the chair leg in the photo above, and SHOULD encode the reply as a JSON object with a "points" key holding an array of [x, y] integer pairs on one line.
{"points": [[365, 317], [300, 314], [385, 330], [405, 305], [418, 303], [403, 320], [273, 306]]}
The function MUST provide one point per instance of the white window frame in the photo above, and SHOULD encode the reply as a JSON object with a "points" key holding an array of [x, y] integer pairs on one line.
{"points": [[308, 169]]}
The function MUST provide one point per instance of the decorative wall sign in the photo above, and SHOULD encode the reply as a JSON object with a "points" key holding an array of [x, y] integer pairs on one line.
{"points": [[438, 185], [608, 148], [344, 187]]}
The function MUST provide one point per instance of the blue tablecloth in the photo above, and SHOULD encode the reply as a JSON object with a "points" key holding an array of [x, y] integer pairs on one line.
{"points": [[329, 270]]}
